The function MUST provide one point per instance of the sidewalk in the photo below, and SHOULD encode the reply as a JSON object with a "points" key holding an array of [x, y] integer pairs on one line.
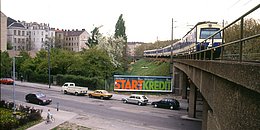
{"points": [[60, 117]]}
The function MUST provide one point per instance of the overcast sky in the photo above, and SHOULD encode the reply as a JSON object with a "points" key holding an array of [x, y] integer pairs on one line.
{"points": [[145, 20]]}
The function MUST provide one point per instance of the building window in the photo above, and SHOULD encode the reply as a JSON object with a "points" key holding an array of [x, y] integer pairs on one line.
{"points": [[42, 33], [14, 32], [18, 40], [19, 32], [14, 40], [22, 33], [42, 39]]}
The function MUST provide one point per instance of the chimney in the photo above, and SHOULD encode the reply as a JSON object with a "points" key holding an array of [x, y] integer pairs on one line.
{"points": [[83, 29]]}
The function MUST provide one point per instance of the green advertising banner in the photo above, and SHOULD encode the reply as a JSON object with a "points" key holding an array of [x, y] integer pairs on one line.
{"points": [[143, 83]]}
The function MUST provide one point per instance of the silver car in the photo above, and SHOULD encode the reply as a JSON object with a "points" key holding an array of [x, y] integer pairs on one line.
{"points": [[136, 99]]}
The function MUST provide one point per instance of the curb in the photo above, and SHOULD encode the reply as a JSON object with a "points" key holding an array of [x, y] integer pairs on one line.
{"points": [[186, 117]]}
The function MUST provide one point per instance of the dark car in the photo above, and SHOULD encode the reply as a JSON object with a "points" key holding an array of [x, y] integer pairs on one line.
{"points": [[38, 98], [167, 103]]}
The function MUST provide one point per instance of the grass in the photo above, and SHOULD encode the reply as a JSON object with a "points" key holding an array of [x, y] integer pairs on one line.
{"points": [[70, 126], [144, 67]]}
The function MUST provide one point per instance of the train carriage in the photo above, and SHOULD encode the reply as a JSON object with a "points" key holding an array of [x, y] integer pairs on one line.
{"points": [[193, 41]]}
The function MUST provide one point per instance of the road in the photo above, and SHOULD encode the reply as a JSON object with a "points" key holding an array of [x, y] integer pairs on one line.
{"points": [[110, 111]]}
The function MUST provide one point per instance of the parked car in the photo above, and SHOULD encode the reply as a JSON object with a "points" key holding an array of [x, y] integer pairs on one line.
{"points": [[169, 103], [37, 98], [102, 94], [136, 99], [73, 89], [6, 81]]}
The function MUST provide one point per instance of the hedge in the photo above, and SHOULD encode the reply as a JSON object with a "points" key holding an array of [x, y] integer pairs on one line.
{"points": [[91, 83], [23, 115]]}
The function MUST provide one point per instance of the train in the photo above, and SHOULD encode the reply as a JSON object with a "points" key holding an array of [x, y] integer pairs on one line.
{"points": [[193, 41]]}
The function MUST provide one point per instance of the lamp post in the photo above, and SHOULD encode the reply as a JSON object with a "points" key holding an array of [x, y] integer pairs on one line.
{"points": [[47, 42], [14, 107], [49, 68]]}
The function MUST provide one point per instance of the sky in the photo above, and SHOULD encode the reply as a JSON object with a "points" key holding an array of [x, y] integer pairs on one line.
{"points": [[145, 20]]}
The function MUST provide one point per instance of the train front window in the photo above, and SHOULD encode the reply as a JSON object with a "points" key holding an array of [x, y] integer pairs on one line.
{"points": [[206, 32]]}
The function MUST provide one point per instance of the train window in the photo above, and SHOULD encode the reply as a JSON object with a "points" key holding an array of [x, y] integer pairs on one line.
{"points": [[206, 32]]}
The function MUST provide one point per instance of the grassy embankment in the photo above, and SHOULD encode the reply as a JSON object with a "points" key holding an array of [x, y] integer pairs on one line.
{"points": [[145, 67]]}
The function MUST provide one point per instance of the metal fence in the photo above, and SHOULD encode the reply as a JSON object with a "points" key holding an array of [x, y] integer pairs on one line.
{"points": [[244, 48]]}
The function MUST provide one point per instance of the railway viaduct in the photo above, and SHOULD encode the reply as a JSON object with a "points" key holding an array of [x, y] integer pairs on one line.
{"points": [[230, 92]]}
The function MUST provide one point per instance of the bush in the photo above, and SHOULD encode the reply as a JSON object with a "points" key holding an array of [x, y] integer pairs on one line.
{"points": [[23, 115], [91, 83]]}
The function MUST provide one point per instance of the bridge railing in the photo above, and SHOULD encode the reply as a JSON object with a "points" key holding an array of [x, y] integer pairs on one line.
{"points": [[245, 47]]}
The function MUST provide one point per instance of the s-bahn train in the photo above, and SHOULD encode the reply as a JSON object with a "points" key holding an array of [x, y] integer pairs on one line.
{"points": [[192, 42]]}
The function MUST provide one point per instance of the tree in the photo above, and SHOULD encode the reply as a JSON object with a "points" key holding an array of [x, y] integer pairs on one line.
{"points": [[9, 46], [114, 48], [6, 64], [120, 32], [93, 40], [19, 61], [120, 28]]}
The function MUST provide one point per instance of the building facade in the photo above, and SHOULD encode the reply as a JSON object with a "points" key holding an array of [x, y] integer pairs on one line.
{"points": [[131, 47], [29, 36], [39, 34], [18, 36], [73, 40], [3, 33]]}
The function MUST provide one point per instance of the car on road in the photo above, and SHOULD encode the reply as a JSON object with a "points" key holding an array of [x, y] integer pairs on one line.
{"points": [[102, 94], [6, 81], [136, 99], [37, 98], [73, 89], [169, 103]]}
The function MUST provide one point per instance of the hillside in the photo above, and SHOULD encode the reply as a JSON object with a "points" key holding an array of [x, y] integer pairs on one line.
{"points": [[145, 67]]}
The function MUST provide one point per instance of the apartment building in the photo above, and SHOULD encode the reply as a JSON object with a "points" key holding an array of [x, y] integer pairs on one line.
{"points": [[131, 47], [29, 36], [39, 34], [73, 40], [17, 36], [3, 33]]}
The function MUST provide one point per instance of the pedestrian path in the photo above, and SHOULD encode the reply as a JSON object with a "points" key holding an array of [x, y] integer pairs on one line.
{"points": [[60, 117]]}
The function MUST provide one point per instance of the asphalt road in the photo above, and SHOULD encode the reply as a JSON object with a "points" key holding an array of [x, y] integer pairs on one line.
{"points": [[130, 114]]}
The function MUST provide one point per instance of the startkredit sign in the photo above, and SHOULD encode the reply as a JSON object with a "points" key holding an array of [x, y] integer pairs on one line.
{"points": [[143, 83]]}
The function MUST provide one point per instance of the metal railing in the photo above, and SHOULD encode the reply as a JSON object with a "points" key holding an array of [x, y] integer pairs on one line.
{"points": [[201, 54]]}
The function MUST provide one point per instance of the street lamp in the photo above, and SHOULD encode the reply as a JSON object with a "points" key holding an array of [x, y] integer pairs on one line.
{"points": [[14, 107], [49, 68], [47, 42]]}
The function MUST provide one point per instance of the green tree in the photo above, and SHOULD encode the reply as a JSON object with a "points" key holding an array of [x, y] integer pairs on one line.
{"points": [[9, 46], [120, 28], [96, 63], [20, 60], [120, 32], [93, 40], [6, 64], [61, 60]]}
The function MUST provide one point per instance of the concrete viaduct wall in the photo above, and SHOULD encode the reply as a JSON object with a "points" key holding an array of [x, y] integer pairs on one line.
{"points": [[231, 93]]}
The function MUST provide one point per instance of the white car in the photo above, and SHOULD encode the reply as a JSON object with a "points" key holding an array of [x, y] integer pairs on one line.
{"points": [[136, 99], [73, 89]]}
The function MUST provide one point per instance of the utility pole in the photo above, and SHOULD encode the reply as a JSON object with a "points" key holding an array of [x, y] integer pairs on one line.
{"points": [[14, 107], [49, 65]]}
